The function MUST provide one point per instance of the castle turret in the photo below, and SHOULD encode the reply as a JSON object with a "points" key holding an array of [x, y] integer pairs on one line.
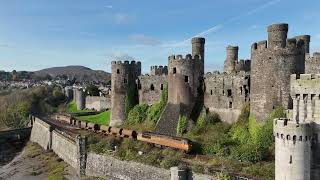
{"points": [[277, 35], [198, 48], [304, 41], [231, 60], [158, 70], [124, 75], [80, 99], [313, 63], [292, 150], [271, 67]]}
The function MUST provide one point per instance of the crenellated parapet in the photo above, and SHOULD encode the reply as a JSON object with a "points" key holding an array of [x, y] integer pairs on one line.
{"points": [[305, 92], [159, 70], [272, 63], [313, 63], [123, 79], [293, 150]]}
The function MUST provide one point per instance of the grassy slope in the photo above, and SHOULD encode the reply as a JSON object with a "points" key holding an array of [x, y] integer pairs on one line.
{"points": [[72, 108], [102, 118]]}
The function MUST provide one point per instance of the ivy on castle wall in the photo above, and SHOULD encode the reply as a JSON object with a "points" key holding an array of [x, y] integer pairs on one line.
{"points": [[131, 98], [182, 125], [157, 108]]}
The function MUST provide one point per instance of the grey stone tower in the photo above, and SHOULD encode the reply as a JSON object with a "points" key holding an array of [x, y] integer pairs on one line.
{"points": [[272, 63], [231, 60], [185, 81], [124, 75], [80, 99]]}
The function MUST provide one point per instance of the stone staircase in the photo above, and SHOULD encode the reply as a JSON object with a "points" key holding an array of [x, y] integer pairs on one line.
{"points": [[169, 120]]}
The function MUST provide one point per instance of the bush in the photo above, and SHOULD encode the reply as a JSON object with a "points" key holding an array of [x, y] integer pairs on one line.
{"points": [[157, 108], [138, 114], [168, 162], [182, 125], [248, 152]]}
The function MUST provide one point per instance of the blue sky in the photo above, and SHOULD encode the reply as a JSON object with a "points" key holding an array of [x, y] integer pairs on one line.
{"points": [[36, 34]]}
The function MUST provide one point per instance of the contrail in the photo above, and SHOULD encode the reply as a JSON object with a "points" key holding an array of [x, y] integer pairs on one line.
{"points": [[233, 19]]}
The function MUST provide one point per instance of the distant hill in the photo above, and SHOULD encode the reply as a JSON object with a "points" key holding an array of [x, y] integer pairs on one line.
{"points": [[81, 73]]}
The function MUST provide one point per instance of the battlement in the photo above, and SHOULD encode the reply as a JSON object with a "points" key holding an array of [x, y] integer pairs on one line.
{"points": [[278, 27], [304, 77], [187, 57], [315, 56], [158, 70], [125, 63], [198, 40], [292, 131], [232, 47]]}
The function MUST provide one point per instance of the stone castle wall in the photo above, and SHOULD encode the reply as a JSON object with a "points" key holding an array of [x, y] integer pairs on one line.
{"points": [[292, 149], [65, 147], [225, 94], [313, 63], [41, 134], [124, 75], [272, 63], [150, 88], [98, 103]]}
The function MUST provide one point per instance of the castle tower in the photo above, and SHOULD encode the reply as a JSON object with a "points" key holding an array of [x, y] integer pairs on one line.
{"points": [[305, 91], [304, 40], [185, 81], [292, 150], [80, 99], [68, 92], [123, 77], [313, 63], [231, 60], [272, 63], [158, 70], [198, 48]]}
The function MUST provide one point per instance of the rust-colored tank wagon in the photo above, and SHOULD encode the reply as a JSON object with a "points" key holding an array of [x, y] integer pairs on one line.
{"points": [[90, 125], [105, 129], [115, 131], [163, 140], [127, 133]]}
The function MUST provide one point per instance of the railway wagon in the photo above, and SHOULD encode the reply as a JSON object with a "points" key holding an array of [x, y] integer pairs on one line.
{"points": [[105, 129], [164, 140], [127, 133]]}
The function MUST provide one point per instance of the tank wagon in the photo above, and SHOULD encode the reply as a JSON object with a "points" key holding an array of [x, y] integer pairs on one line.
{"points": [[149, 137]]}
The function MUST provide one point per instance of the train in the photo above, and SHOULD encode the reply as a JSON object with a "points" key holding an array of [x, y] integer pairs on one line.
{"points": [[148, 137]]}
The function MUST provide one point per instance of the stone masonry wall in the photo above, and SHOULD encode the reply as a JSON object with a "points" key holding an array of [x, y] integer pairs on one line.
{"points": [[225, 94], [41, 134], [150, 88], [313, 63], [98, 103], [65, 147], [102, 166]]}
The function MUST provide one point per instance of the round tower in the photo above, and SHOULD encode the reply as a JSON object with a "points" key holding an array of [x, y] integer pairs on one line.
{"points": [[123, 78], [68, 92], [231, 60], [198, 48], [271, 67], [80, 99], [292, 150], [181, 80], [277, 35], [304, 41]]}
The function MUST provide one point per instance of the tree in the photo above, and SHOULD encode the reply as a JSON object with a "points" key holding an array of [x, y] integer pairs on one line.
{"points": [[92, 90]]}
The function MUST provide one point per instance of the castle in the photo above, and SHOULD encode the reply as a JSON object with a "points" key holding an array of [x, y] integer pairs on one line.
{"points": [[263, 81], [297, 149]]}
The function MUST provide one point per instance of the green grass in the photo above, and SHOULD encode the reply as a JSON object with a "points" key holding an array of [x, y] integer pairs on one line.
{"points": [[72, 108], [102, 118]]}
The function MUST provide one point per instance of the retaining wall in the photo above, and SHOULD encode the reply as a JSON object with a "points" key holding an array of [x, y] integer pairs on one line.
{"points": [[65, 147], [41, 134], [101, 166], [98, 103]]}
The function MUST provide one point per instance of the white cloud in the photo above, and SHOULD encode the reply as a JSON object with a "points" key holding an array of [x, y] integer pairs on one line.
{"points": [[121, 18], [108, 6], [121, 56], [146, 40]]}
